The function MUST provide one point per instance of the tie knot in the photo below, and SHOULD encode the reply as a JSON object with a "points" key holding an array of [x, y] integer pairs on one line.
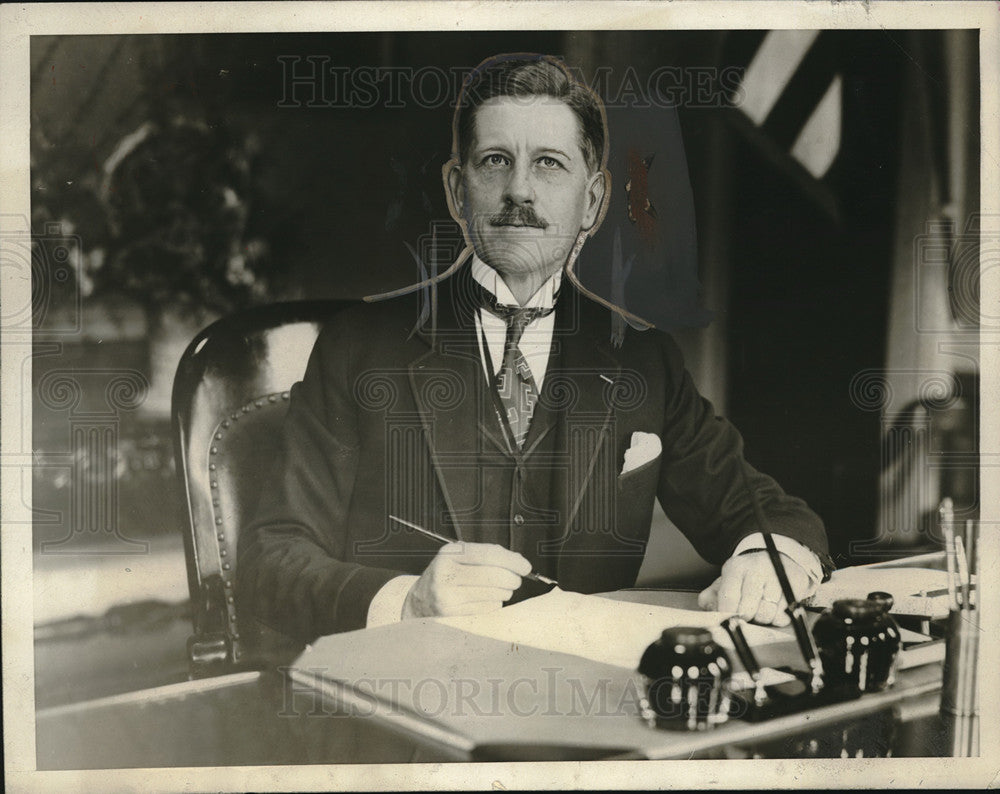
{"points": [[518, 320], [516, 317]]}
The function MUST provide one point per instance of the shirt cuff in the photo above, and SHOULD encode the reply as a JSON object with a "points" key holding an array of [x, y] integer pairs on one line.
{"points": [[387, 605], [795, 551]]}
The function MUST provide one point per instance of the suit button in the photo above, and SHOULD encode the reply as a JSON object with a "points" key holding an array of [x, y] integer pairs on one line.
{"points": [[518, 519]]}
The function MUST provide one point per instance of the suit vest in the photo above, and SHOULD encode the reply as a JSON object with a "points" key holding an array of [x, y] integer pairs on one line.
{"points": [[513, 503]]}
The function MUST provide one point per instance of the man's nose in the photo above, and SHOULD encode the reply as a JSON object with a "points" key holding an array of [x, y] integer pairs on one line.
{"points": [[520, 189]]}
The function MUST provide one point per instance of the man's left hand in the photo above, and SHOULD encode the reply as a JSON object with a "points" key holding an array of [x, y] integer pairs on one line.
{"points": [[749, 587]]}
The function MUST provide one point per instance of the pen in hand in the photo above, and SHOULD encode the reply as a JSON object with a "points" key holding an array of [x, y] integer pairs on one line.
{"points": [[793, 607], [442, 539]]}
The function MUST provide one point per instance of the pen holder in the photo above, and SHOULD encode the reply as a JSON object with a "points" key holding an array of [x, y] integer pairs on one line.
{"points": [[858, 644], [959, 687], [687, 680]]}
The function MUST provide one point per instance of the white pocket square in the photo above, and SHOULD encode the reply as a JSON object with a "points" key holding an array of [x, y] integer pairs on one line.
{"points": [[644, 448]]}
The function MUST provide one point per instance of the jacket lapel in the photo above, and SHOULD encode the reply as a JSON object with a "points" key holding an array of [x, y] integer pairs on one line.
{"points": [[579, 391], [447, 383]]}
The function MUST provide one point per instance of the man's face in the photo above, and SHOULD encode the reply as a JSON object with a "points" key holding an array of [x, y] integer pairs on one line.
{"points": [[525, 190]]}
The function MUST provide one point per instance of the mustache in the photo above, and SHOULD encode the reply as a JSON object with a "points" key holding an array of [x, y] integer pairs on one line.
{"points": [[518, 215]]}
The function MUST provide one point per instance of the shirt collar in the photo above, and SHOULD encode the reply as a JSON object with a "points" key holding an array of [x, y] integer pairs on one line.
{"points": [[543, 298]]}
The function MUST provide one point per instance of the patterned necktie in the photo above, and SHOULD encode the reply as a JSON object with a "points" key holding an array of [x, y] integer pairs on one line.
{"points": [[514, 383]]}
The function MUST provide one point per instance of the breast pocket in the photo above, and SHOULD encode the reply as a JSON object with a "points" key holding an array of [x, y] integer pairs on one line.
{"points": [[636, 493], [643, 476]]}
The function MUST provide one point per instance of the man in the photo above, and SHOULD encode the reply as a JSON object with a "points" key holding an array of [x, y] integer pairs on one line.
{"points": [[507, 420]]}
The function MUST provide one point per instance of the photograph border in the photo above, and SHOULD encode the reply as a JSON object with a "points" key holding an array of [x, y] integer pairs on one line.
{"points": [[19, 22]]}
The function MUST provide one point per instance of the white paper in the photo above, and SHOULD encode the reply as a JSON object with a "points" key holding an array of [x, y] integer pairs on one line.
{"points": [[905, 585], [601, 629]]}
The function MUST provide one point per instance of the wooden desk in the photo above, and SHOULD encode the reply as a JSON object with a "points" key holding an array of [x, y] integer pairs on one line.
{"points": [[428, 692], [466, 697]]}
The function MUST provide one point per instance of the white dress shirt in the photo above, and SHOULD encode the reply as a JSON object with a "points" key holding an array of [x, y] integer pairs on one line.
{"points": [[536, 341], [387, 605]]}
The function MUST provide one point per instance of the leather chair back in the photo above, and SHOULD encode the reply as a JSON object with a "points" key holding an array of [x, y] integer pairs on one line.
{"points": [[229, 398]]}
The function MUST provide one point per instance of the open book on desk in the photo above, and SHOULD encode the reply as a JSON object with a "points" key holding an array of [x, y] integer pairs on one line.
{"points": [[601, 629]]}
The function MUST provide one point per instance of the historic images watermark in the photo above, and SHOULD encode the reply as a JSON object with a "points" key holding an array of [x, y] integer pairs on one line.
{"points": [[49, 262], [92, 399], [547, 692], [929, 416], [316, 81], [552, 694], [968, 254]]}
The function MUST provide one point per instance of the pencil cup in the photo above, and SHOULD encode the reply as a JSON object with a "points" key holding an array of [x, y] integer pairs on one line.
{"points": [[959, 688], [687, 680]]}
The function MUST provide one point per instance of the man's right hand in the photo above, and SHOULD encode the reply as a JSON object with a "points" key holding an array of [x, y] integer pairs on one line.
{"points": [[466, 579]]}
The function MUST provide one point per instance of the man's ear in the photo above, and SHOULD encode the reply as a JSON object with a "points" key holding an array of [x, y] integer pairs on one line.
{"points": [[597, 187], [454, 189]]}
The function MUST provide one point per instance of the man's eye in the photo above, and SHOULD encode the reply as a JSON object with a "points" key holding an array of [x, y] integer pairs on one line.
{"points": [[549, 162], [496, 160]]}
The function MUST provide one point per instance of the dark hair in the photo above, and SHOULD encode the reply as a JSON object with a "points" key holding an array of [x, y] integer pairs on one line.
{"points": [[524, 75]]}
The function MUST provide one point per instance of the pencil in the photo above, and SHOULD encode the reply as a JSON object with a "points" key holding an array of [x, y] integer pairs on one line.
{"points": [[423, 531], [963, 570], [976, 562], [970, 543], [946, 516], [442, 539]]}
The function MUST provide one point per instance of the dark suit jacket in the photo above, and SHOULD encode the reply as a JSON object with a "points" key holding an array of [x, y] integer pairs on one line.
{"points": [[388, 420]]}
